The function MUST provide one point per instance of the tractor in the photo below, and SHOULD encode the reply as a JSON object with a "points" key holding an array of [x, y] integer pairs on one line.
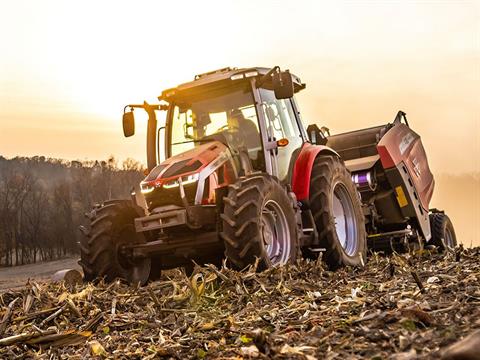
{"points": [[243, 179]]}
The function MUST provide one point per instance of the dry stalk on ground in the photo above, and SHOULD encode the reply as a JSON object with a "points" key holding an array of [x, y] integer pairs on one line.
{"points": [[399, 306]]}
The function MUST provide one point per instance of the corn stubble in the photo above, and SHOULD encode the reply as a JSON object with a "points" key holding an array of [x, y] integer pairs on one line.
{"points": [[400, 306]]}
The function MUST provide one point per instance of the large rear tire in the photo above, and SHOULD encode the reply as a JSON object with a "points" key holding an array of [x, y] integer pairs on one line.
{"points": [[259, 221], [337, 212], [443, 233], [101, 256]]}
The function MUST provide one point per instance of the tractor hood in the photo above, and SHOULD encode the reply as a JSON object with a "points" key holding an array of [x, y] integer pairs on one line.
{"points": [[185, 167]]}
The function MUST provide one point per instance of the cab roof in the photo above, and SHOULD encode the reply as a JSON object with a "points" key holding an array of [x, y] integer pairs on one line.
{"points": [[221, 75]]}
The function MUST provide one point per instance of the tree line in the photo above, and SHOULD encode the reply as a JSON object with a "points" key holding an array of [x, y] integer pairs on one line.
{"points": [[43, 202]]}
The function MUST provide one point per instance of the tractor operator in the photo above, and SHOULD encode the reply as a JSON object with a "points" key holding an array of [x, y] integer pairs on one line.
{"points": [[246, 129]]}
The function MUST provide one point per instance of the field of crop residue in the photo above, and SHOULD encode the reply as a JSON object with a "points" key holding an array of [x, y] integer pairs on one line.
{"points": [[401, 306]]}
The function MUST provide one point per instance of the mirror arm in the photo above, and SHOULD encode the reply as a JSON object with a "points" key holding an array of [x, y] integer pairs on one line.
{"points": [[151, 129], [147, 107], [265, 77]]}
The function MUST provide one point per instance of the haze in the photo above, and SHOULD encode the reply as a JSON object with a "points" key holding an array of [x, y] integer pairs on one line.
{"points": [[67, 69]]}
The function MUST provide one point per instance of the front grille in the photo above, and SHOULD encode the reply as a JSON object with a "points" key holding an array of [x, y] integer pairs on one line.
{"points": [[161, 196]]}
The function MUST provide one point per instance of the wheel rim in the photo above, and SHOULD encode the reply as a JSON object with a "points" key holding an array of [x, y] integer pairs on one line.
{"points": [[448, 238], [345, 220], [275, 233]]}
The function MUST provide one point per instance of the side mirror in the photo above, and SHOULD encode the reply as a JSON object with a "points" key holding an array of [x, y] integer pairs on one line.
{"points": [[315, 135], [128, 124], [282, 84]]}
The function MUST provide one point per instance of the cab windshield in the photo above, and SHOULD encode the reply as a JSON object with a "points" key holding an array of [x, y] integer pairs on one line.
{"points": [[203, 117]]}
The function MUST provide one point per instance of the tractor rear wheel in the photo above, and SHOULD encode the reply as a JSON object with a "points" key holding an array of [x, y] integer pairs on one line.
{"points": [[259, 221], [337, 212], [102, 254], [443, 233]]}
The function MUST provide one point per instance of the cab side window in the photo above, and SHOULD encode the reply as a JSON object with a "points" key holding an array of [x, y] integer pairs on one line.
{"points": [[281, 124]]}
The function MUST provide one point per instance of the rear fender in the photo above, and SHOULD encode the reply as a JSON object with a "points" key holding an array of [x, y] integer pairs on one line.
{"points": [[302, 170], [402, 148]]}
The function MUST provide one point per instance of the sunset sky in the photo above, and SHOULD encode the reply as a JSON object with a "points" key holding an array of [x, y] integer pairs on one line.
{"points": [[68, 68]]}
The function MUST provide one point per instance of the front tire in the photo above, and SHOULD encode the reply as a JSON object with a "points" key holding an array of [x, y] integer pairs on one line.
{"points": [[101, 256], [337, 212], [259, 221], [443, 233]]}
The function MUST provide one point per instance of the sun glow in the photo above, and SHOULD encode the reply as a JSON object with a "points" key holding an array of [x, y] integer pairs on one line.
{"points": [[67, 69]]}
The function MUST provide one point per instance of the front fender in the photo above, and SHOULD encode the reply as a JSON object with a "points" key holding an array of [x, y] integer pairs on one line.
{"points": [[302, 170]]}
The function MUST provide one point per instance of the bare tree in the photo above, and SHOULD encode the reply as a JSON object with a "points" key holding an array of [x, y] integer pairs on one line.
{"points": [[42, 202]]}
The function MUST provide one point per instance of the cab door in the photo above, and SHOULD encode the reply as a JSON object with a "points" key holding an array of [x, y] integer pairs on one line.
{"points": [[281, 124]]}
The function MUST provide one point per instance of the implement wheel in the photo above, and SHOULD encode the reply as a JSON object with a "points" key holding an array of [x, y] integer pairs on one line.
{"points": [[101, 250], [259, 221], [443, 233]]}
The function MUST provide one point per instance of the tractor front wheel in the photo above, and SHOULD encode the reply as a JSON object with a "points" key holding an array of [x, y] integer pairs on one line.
{"points": [[337, 212], [259, 221], [102, 252]]}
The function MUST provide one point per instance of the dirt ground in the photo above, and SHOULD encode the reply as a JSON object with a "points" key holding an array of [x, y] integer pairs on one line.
{"points": [[17, 276]]}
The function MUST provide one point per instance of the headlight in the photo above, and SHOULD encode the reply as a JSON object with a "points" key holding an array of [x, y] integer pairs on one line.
{"points": [[189, 179], [145, 189]]}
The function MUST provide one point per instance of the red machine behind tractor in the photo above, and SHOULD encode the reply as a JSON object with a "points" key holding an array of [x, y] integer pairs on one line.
{"points": [[244, 179]]}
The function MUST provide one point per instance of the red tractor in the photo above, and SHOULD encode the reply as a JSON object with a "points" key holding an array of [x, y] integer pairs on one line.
{"points": [[243, 179]]}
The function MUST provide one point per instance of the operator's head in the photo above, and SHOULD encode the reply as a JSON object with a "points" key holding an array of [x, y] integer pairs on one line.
{"points": [[235, 119]]}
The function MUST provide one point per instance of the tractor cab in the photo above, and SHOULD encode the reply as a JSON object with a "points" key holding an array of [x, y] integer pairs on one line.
{"points": [[251, 112]]}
